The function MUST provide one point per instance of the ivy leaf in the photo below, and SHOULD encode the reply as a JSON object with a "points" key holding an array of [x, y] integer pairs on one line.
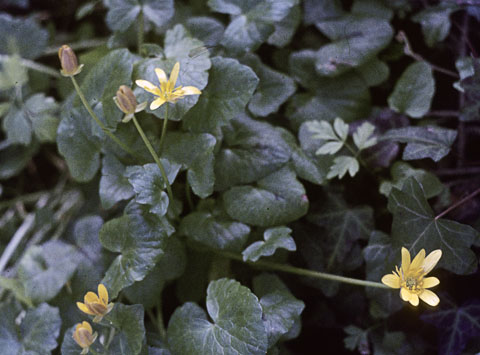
{"points": [[178, 46], [344, 96], [139, 237], [276, 199], [207, 29], [435, 21], [415, 227], [280, 308], [414, 91], [357, 338], [123, 13], [211, 226], [114, 186], [15, 31], [34, 333], [250, 151], [149, 185], [220, 102], [341, 165], [471, 86], [422, 142], [195, 153], [401, 171], [273, 90], [285, 29], [130, 329], [45, 269], [363, 136], [374, 71], [456, 325], [252, 21], [234, 330], [275, 238], [356, 39]]}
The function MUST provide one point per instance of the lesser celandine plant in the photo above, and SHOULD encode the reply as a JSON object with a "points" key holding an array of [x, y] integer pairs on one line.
{"points": [[216, 177]]}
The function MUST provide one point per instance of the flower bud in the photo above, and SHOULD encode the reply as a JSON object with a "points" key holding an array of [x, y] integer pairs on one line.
{"points": [[83, 336], [68, 61], [126, 100]]}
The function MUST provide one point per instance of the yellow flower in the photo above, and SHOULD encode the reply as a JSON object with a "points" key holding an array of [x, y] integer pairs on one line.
{"points": [[94, 305], [84, 337], [411, 280], [167, 92]]}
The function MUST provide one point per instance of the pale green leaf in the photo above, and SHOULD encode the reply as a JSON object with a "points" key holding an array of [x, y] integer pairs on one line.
{"points": [[363, 136], [435, 21], [233, 330], [275, 238], [341, 165]]}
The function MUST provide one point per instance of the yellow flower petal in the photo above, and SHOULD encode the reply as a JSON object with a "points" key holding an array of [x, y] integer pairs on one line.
{"points": [[431, 260], [414, 300], [157, 103], [191, 90], [430, 282], [405, 295], [84, 308], [174, 75], [405, 259], [91, 297], [418, 260], [162, 77], [87, 326], [148, 86], [103, 294], [429, 298], [391, 281]]}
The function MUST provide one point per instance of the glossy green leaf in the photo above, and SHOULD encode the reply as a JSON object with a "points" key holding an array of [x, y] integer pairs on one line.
{"points": [[273, 89], [130, 330], [280, 308], [422, 142], [149, 185], [276, 199], [178, 47], [220, 102], [374, 72], [275, 238], [252, 21], [401, 171], [114, 186], [250, 151], [123, 13], [373, 8], [415, 227], [233, 330], [211, 226], [356, 39], [414, 91], [139, 237], [285, 29], [435, 21], [44, 269], [15, 31], [471, 87], [13, 158]]}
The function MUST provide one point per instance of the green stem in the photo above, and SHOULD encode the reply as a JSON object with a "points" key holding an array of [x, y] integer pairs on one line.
{"points": [[34, 66], [28, 198], [164, 128], [95, 117], [155, 157], [188, 194], [111, 335], [302, 272], [160, 326], [141, 30]]}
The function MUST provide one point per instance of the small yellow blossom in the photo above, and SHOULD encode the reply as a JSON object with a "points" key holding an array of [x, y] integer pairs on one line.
{"points": [[84, 337], [167, 92], [411, 280], [94, 305]]}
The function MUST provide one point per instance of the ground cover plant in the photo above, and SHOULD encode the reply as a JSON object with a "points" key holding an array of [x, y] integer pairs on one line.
{"points": [[239, 177]]}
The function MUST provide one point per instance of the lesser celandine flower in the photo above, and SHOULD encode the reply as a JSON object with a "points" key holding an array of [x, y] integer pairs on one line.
{"points": [[84, 337], [68, 61], [167, 92], [127, 102], [410, 277], [94, 305]]}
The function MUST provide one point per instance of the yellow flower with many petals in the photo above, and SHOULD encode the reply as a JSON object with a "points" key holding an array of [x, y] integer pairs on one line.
{"points": [[167, 92], [84, 337], [411, 280], [94, 305]]}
